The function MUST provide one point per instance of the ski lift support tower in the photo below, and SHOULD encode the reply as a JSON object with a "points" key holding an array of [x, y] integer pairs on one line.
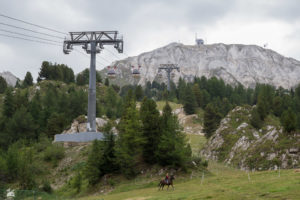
{"points": [[93, 42], [168, 68]]}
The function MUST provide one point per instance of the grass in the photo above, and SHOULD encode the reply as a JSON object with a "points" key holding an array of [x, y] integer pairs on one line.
{"points": [[220, 182], [223, 183], [161, 104], [196, 142]]}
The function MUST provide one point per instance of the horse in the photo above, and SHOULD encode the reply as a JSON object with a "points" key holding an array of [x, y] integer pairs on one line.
{"points": [[162, 183]]}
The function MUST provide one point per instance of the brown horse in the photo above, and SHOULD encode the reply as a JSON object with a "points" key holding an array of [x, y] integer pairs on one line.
{"points": [[162, 183]]}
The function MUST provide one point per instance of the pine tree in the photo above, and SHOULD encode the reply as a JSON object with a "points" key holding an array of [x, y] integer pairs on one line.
{"points": [[189, 101], [130, 141], [180, 90], [109, 161], [106, 82], [44, 71], [289, 120], [92, 170], [151, 129], [3, 85], [28, 80], [139, 93], [8, 106], [173, 149], [211, 120], [198, 95], [55, 124], [18, 84], [21, 125], [256, 120]]}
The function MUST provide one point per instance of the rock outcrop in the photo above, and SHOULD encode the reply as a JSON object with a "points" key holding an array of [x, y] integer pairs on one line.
{"points": [[237, 143], [79, 125]]}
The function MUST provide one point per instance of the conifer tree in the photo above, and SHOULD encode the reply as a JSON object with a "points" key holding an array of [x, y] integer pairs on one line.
{"points": [[189, 101], [151, 129], [92, 170], [130, 141], [289, 120], [3, 85], [106, 82], [256, 120], [211, 120], [8, 106], [139, 93], [21, 125], [173, 149], [198, 95], [181, 90], [109, 161], [28, 80]]}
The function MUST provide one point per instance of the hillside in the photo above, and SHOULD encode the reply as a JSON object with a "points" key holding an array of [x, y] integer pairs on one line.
{"points": [[234, 63], [236, 142]]}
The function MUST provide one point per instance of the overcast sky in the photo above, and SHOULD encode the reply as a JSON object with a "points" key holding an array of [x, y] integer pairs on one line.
{"points": [[146, 25]]}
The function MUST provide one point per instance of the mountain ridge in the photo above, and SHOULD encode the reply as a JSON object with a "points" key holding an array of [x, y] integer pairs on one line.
{"points": [[234, 63], [9, 77]]}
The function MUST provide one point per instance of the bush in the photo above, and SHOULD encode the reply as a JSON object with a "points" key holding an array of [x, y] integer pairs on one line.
{"points": [[111, 182], [43, 143], [77, 182], [81, 119], [199, 162], [46, 187], [54, 153]]}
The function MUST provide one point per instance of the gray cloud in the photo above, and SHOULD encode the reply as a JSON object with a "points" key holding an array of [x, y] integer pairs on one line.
{"points": [[145, 24]]}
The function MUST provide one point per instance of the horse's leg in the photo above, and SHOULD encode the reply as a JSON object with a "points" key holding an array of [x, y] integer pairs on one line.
{"points": [[168, 186], [172, 186]]}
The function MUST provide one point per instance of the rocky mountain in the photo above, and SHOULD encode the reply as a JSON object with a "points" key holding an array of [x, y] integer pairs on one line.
{"points": [[9, 77], [237, 143], [234, 63]]}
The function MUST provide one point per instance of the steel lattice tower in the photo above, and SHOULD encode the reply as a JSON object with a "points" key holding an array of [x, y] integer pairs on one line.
{"points": [[168, 68]]}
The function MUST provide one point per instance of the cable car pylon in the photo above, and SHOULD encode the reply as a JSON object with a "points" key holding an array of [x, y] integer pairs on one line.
{"points": [[93, 42], [168, 68]]}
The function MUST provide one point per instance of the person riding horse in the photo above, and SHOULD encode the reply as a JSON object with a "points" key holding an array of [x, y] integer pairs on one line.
{"points": [[167, 178], [167, 181]]}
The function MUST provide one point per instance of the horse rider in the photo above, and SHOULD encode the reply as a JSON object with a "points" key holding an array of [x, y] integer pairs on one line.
{"points": [[167, 178]]}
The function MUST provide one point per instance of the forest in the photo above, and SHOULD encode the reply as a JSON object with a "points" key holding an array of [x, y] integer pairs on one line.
{"points": [[32, 113]]}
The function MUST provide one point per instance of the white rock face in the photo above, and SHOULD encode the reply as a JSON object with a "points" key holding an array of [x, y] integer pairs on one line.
{"points": [[234, 63], [9, 77]]}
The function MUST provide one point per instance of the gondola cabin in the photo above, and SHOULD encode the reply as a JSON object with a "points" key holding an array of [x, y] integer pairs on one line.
{"points": [[111, 72], [136, 72]]}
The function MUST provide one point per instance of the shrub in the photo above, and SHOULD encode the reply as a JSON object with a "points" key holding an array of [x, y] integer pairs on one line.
{"points": [[54, 153], [77, 182], [46, 187]]}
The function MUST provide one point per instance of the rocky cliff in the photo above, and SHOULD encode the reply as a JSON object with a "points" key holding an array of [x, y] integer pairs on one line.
{"points": [[9, 77], [234, 63], [237, 143]]}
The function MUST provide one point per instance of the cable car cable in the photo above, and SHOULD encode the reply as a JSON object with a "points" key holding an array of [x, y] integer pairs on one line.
{"points": [[32, 24], [29, 40], [30, 30], [4, 30]]}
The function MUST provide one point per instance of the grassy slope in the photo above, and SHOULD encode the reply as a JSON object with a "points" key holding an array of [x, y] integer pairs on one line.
{"points": [[224, 183], [221, 183]]}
